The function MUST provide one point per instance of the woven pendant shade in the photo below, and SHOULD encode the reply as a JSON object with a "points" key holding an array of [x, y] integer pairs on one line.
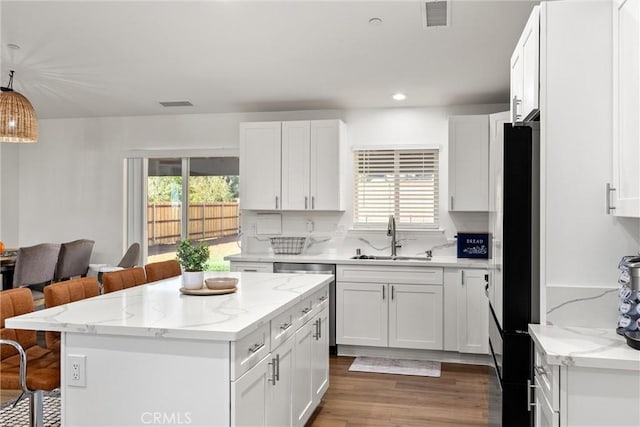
{"points": [[17, 117]]}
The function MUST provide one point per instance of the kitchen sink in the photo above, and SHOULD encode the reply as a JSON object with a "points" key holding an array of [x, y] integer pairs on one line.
{"points": [[392, 258]]}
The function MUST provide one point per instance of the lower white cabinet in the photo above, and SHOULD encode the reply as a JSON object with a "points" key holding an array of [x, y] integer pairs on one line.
{"points": [[248, 396], [302, 397], [280, 382], [466, 311], [389, 315], [285, 387], [252, 267], [567, 395]]}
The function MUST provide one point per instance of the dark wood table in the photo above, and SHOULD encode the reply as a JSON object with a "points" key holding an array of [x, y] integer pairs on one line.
{"points": [[7, 264]]}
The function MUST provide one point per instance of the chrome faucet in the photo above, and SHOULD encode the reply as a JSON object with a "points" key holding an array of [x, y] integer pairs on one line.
{"points": [[391, 231]]}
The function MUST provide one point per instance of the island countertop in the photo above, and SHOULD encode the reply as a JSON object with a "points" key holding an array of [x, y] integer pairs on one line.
{"points": [[159, 309]]}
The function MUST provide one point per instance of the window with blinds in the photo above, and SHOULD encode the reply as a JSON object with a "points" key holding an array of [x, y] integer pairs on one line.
{"points": [[403, 183]]}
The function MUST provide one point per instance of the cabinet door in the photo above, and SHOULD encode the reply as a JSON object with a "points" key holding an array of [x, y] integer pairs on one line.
{"points": [[530, 66], [320, 356], [279, 393], [473, 313], [361, 314], [626, 109], [248, 396], [516, 84], [325, 165], [302, 394], [415, 316], [469, 163], [260, 149], [545, 416], [295, 165]]}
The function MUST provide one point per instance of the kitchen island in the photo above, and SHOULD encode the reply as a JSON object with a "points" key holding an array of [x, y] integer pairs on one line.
{"points": [[151, 355]]}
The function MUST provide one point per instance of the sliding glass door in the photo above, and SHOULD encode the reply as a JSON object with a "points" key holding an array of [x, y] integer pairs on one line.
{"points": [[194, 198]]}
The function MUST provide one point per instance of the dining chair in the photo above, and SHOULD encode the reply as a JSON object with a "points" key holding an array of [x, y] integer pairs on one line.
{"points": [[123, 279], [131, 258], [73, 259], [24, 365], [35, 267], [162, 270], [64, 293]]}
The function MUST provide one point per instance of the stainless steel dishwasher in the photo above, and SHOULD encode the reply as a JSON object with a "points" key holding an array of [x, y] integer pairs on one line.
{"points": [[303, 268]]}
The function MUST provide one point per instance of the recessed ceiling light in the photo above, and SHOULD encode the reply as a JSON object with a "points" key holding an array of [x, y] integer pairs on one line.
{"points": [[13, 46], [375, 21], [399, 96]]}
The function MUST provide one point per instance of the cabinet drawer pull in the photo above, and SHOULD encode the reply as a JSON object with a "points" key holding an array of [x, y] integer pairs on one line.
{"points": [[306, 310], [250, 270], [393, 292], [322, 298], [286, 326], [540, 371], [277, 375], [313, 202], [272, 380], [255, 348], [382, 291], [277, 202], [462, 277], [306, 202], [320, 327], [530, 404], [610, 190]]}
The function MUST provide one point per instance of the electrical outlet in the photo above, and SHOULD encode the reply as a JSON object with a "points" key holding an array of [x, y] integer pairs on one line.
{"points": [[77, 370]]}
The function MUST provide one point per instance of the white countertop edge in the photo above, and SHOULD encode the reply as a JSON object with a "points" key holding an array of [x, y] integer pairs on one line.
{"points": [[444, 261], [41, 324], [585, 347]]}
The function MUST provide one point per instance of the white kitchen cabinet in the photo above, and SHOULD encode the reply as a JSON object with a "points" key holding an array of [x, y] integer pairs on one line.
{"points": [[260, 165], [466, 311], [624, 193], [248, 396], [403, 309], [567, 395], [320, 356], [252, 267], [306, 173], [415, 316], [302, 396], [473, 312], [469, 163], [525, 71], [361, 314], [280, 382]]}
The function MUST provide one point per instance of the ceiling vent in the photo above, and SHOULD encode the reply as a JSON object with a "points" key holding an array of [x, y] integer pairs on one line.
{"points": [[176, 104], [436, 13]]}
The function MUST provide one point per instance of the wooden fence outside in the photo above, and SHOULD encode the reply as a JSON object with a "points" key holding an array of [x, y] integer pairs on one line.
{"points": [[206, 221]]}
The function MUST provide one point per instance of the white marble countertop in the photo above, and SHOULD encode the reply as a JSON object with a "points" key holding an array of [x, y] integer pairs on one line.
{"points": [[436, 261], [159, 309], [585, 347]]}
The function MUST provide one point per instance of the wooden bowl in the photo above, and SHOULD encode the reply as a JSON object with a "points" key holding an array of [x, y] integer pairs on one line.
{"points": [[220, 283]]}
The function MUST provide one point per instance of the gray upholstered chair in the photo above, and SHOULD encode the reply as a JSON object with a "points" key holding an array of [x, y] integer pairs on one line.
{"points": [[131, 258], [73, 260], [35, 267]]}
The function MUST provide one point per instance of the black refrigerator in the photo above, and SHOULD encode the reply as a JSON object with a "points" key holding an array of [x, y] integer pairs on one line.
{"points": [[514, 272]]}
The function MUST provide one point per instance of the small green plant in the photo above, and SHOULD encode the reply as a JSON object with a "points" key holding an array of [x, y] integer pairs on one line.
{"points": [[192, 257]]}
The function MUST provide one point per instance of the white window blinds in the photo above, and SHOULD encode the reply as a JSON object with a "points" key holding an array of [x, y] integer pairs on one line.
{"points": [[403, 183]]}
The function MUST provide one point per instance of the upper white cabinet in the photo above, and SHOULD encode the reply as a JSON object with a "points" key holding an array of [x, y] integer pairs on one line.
{"points": [[260, 151], [469, 163], [624, 191], [525, 71], [290, 165]]}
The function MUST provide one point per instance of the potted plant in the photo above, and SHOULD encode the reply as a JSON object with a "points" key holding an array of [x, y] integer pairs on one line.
{"points": [[193, 258]]}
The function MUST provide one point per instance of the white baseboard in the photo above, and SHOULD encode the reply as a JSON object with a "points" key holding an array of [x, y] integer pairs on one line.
{"points": [[405, 353]]}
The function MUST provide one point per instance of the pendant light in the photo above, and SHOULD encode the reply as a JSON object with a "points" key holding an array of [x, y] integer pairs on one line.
{"points": [[17, 116]]}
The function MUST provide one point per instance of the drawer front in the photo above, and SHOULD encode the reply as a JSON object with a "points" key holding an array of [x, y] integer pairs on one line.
{"points": [[547, 378], [252, 267], [390, 274], [320, 299], [546, 416], [282, 327], [303, 311], [248, 351]]}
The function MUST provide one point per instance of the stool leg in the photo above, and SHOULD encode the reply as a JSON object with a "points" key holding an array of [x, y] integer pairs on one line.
{"points": [[35, 409]]}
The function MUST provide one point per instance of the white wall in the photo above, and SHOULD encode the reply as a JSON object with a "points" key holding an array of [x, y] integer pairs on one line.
{"points": [[69, 185]]}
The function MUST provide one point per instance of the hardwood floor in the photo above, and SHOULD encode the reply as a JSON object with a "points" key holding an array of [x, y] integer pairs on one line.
{"points": [[458, 398]]}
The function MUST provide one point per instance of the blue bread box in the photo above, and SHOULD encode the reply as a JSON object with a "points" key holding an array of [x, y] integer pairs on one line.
{"points": [[473, 245]]}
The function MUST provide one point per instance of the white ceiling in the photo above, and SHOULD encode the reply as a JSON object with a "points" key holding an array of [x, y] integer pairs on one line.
{"points": [[120, 58]]}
